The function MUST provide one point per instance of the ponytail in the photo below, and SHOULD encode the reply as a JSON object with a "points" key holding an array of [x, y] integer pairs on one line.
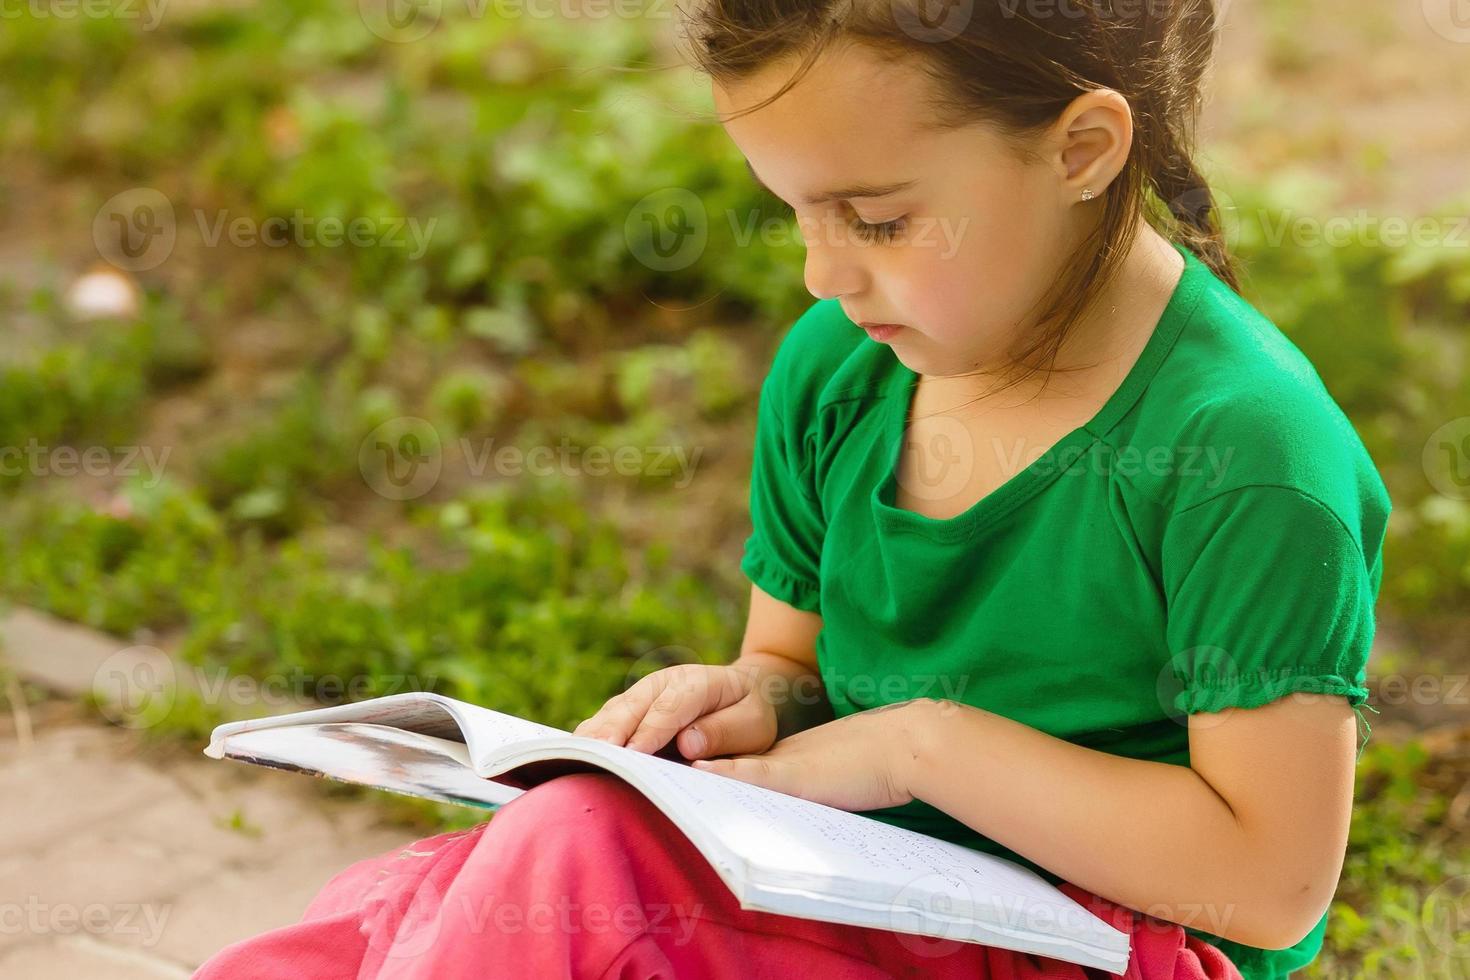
{"points": [[1170, 56]]}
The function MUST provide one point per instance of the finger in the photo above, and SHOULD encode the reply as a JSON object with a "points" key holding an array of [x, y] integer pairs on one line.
{"points": [[621, 713], [618, 719], [746, 727], [758, 770], [690, 691]]}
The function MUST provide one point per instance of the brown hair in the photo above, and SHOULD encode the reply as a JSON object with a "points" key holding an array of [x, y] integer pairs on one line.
{"points": [[1017, 64]]}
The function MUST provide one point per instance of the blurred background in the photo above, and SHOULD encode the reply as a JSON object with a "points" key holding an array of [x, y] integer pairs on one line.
{"points": [[351, 348]]}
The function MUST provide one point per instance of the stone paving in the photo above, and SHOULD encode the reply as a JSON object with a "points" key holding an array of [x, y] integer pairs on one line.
{"points": [[123, 857]]}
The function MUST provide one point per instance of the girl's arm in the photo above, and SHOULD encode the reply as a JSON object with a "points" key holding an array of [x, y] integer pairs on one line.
{"points": [[780, 642], [1245, 843]]}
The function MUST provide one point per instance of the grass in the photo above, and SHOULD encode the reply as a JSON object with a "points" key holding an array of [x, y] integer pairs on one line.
{"points": [[536, 312]]}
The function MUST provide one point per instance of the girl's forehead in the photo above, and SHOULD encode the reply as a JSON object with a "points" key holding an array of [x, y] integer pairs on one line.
{"points": [[847, 108], [848, 92], [853, 117]]}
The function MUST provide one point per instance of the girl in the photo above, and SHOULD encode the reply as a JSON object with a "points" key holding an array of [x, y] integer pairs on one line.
{"points": [[1061, 549]]}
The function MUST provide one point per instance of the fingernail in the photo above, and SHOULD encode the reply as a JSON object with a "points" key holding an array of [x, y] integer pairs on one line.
{"points": [[695, 741]]}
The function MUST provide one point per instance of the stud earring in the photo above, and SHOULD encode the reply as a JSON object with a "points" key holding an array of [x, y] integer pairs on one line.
{"points": [[1087, 194]]}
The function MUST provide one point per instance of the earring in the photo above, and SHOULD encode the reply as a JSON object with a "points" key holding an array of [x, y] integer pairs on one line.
{"points": [[1087, 194]]}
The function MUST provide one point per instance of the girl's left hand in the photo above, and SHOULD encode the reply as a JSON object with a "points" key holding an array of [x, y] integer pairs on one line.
{"points": [[858, 762]]}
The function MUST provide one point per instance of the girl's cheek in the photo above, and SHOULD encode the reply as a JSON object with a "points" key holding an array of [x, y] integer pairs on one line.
{"points": [[931, 303], [941, 278]]}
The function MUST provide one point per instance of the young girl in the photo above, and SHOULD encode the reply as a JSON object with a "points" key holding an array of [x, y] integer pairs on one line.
{"points": [[1061, 549]]}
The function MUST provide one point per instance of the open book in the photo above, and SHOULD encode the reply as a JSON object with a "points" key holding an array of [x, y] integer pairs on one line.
{"points": [[777, 853]]}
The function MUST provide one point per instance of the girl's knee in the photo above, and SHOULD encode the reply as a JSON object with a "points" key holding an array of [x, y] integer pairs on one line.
{"points": [[574, 794], [548, 831]]}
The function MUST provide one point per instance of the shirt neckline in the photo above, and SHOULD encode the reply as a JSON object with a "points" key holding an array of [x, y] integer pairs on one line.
{"points": [[1050, 464]]}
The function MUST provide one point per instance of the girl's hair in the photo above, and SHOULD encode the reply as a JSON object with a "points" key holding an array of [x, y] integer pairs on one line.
{"points": [[1017, 64]]}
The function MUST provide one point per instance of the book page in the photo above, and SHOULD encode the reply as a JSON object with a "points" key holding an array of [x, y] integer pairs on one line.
{"points": [[810, 850], [372, 755], [415, 711], [488, 731], [794, 835]]}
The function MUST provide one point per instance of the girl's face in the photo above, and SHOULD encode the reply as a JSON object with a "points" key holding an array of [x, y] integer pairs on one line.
{"points": [[945, 233]]}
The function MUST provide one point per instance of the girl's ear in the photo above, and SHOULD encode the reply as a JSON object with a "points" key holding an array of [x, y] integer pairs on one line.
{"points": [[1091, 140]]}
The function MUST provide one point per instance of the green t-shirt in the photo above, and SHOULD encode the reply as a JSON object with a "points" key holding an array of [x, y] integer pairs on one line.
{"points": [[1210, 538]]}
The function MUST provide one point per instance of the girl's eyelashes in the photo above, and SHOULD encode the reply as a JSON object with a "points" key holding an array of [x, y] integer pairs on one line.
{"points": [[881, 233], [868, 232]]}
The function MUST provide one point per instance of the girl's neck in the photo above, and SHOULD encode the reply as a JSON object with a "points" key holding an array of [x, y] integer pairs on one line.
{"points": [[1101, 347]]}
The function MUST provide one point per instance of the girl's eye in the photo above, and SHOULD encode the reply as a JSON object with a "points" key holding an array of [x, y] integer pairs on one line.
{"points": [[868, 232], [881, 234]]}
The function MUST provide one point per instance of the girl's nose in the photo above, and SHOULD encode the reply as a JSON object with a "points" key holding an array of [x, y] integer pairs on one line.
{"points": [[833, 268]]}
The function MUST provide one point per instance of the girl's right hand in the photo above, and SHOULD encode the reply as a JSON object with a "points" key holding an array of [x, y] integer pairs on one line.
{"points": [[709, 710]]}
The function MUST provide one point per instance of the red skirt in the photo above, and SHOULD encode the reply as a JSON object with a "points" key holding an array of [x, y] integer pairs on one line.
{"points": [[582, 877]]}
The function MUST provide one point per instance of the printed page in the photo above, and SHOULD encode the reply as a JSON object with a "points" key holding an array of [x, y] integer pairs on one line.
{"points": [[809, 850], [489, 731]]}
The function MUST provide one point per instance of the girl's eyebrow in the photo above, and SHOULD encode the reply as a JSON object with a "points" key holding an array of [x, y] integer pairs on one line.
{"points": [[856, 190]]}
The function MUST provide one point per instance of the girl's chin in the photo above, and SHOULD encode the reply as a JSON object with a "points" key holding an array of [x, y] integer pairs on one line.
{"points": [[925, 366], [928, 364], [916, 357]]}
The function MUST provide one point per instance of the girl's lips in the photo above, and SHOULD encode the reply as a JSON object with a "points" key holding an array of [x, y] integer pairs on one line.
{"points": [[881, 332]]}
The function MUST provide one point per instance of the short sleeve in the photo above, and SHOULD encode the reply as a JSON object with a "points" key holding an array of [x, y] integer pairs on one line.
{"points": [[1268, 593], [783, 552]]}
